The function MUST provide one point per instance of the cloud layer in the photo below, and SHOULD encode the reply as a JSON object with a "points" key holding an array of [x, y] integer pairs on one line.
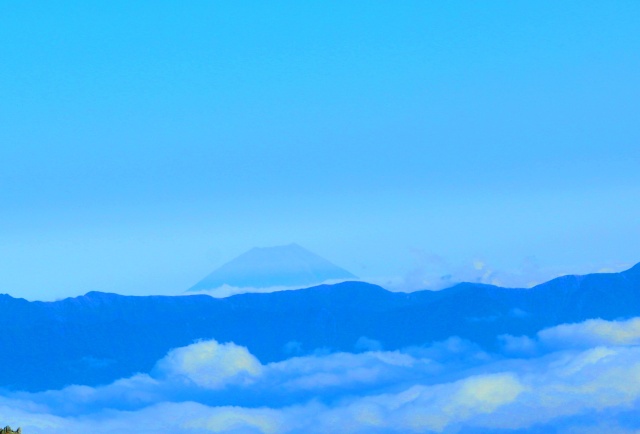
{"points": [[578, 378]]}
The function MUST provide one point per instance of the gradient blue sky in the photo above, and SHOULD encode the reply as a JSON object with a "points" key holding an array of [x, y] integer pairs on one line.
{"points": [[143, 144]]}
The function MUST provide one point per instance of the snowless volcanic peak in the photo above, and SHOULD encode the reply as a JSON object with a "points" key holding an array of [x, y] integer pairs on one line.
{"points": [[263, 267]]}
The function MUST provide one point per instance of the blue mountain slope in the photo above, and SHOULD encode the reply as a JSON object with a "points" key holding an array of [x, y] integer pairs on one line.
{"points": [[97, 338]]}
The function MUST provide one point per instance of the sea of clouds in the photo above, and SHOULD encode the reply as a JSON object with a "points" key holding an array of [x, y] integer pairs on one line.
{"points": [[573, 378]]}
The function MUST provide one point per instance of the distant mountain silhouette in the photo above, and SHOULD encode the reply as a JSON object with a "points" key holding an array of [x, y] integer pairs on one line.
{"points": [[99, 337], [288, 266]]}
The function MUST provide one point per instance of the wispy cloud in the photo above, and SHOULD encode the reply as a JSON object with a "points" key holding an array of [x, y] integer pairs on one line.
{"points": [[229, 290], [431, 271]]}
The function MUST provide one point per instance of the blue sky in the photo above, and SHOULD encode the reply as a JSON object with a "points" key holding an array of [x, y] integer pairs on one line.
{"points": [[144, 144]]}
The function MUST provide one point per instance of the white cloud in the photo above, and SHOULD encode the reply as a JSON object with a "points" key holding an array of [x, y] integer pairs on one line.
{"points": [[365, 344], [344, 370], [592, 333], [236, 419], [210, 364], [518, 345]]}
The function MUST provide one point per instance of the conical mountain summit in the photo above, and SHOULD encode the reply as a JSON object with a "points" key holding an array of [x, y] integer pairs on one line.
{"points": [[263, 267]]}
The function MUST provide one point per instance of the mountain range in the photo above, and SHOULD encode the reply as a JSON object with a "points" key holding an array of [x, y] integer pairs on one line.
{"points": [[100, 337]]}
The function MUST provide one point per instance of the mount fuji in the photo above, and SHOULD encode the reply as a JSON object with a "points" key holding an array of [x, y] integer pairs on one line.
{"points": [[280, 266]]}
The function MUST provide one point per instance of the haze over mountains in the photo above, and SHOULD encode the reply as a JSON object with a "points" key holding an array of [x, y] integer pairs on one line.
{"points": [[280, 266], [98, 338]]}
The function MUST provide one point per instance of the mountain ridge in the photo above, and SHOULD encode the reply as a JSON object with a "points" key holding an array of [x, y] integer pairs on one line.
{"points": [[100, 337]]}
